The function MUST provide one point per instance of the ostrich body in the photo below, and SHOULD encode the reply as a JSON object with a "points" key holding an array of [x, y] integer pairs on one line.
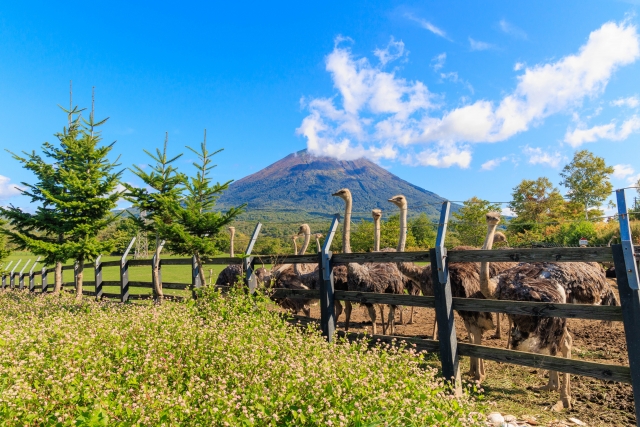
{"points": [[543, 335], [370, 277], [231, 274], [465, 283]]}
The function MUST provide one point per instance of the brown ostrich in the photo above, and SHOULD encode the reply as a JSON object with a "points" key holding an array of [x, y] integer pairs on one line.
{"points": [[465, 283], [231, 274], [371, 277], [539, 283]]}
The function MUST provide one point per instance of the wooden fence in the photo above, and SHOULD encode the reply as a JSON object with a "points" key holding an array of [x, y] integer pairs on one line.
{"points": [[447, 345]]}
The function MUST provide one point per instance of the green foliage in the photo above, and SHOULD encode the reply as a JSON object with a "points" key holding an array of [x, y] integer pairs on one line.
{"points": [[570, 234], [536, 203], [423, 230], [157, 204], [470, 227], [4, 248], [121, 232], [587, 178], [196, 223], [74, 193], [219, 361]]}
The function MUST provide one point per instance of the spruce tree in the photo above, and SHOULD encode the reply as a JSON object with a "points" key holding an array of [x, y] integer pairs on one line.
{"points": [[76, 193], [197, 224], [158, 202]]}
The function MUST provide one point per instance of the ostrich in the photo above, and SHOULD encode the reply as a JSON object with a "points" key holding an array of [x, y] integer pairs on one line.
{"points": [[231, 274], [371, 277], [318, 236], [465, 283], [539, 282]]}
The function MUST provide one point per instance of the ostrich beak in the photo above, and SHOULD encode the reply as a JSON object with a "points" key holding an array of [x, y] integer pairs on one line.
{"points": [[336, 194]]}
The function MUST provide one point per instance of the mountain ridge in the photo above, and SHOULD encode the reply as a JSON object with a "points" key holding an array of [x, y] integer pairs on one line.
{"points": [[303, 183]]}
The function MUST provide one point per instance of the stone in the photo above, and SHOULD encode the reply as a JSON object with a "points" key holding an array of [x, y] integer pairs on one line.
{"points": [[495, 418]]}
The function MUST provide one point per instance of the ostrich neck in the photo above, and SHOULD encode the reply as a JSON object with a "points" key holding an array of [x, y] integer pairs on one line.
{"points": [[402, 241], [305, 245], [346, 229], [376, 234], [233, 233], [487, 286], [318, 244], [295, 247]]}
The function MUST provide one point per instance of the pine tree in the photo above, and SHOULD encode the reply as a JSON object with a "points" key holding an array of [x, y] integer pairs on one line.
{"points": [[160, 204], [76, 193], [197, 224]]}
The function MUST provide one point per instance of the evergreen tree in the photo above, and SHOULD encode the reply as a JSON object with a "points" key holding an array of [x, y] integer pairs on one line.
{"points": [[158, 203], [74, 195], [197, 224], [587, 178], [4, 250]]}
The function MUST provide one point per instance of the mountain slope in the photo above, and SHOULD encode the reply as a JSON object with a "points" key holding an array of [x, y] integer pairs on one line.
{"points": [[303, 183]]}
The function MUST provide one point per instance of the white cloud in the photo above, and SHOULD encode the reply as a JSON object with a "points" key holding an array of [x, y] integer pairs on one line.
{"points": [[393, 51], [519, 66], [492, 164], [438, 61], [631, 102], [507, 212], [7, 189], [428, 26], [453, 77], [582, 134], [539, 157], [441, 157], [378, 114], [512, 29], [478, 45], [621, 171]]}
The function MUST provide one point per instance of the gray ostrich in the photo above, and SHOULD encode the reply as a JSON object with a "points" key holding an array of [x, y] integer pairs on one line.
{"points": [[370, 277]]}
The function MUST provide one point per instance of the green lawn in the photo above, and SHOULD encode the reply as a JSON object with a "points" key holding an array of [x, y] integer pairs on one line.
{"points": [[170, 273]]}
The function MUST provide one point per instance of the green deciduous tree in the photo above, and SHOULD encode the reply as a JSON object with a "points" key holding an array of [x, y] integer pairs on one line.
{"points": [[470, 226], [197, 224], [423, 231], [587, 178], [75, 193], [536, 203]]}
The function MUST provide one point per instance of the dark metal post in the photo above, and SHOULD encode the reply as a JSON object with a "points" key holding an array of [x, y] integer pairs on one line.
{"points": [[4, 275], [12, 276], [195, 275], [124, 273], [45, 285], [32, 276], [627, 278], [327, 303], [444, 304], [21, 276], [247, 262], [98, 277]]}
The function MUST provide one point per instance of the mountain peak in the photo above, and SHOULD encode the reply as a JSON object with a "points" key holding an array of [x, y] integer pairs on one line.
{"points": [[302, 182]]}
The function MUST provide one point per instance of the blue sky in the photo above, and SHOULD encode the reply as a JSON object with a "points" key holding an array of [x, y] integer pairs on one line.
{"points": [[461, 98]]}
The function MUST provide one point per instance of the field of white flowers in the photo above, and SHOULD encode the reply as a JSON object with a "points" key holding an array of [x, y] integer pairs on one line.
{"points": [[218, 361]]}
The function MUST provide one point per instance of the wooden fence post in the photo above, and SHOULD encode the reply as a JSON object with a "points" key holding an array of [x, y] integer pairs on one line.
{"points": [[195, 276], [4, 275], [124, 273], [155, 261], [75, 275], [627, 278], [444, 304], [45, 285], [327, 303], [98, 277], [32, 276], [247, 262], [21, 275], [12, 276]]}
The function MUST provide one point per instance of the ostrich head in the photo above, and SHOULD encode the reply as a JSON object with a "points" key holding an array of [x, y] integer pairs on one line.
{"points": [[304, 230], [344, 194], [493, 218], [376, 214], [500, 237], [319, 235], [399, 200]]}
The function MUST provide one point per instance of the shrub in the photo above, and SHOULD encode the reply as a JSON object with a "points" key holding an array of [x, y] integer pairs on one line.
{"points": [[226, 361]]}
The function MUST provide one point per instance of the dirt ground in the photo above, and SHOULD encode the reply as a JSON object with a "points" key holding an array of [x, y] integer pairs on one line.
{"points": [[510, 388]]}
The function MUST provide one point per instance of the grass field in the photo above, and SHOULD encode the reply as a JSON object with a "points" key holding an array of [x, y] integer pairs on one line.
{"points": [[170, 273]]}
